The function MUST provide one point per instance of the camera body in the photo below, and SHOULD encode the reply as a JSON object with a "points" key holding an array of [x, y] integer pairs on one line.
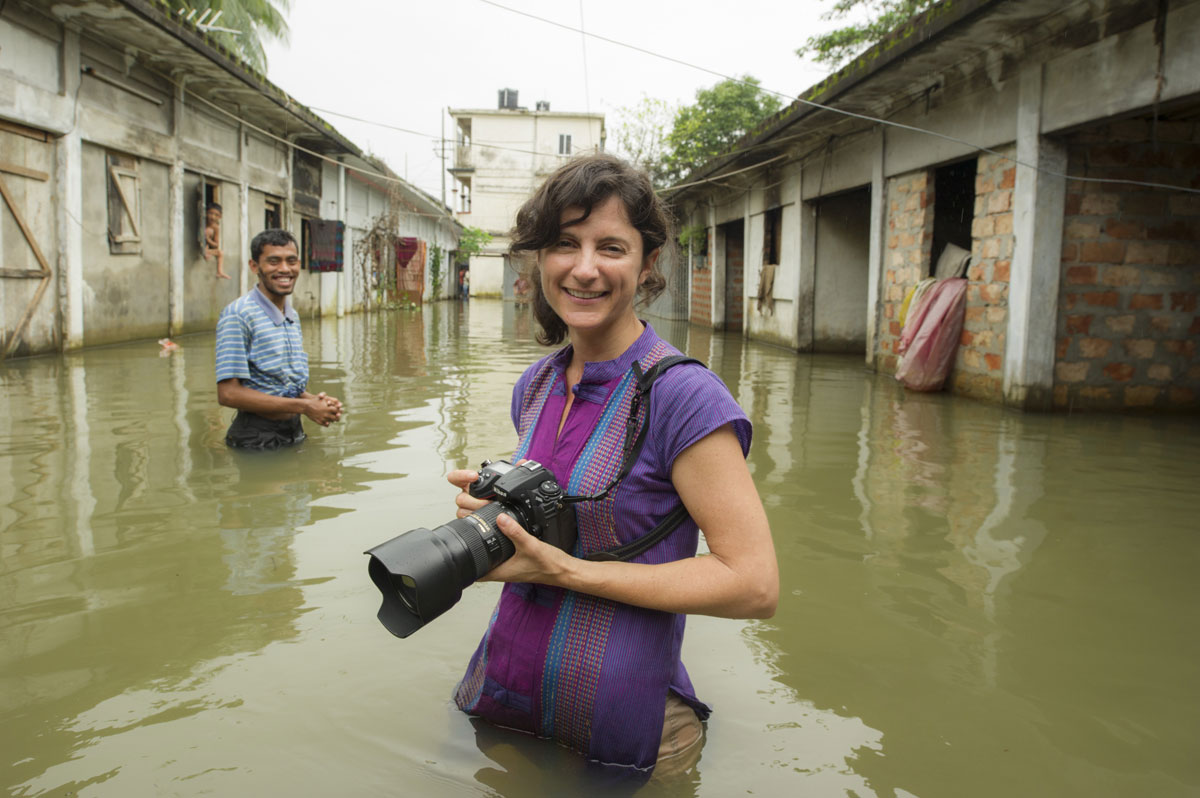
{"points": [[422, 573], [532, 496]]}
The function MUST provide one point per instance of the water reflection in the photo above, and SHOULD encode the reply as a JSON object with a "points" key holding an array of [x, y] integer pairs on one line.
{"points": [[975, 602]]}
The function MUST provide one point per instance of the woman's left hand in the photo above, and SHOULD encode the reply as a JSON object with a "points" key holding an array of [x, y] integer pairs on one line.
{"points": [[534, 560]]}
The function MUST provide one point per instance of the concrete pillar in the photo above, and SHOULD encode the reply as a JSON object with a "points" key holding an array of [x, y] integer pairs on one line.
{"points": [[176, 247], [746, 265], [807, 278], [875, 248], [343, 281], [716, 253], [242, 256], [792, 231], [68, 153], [1039, 202], [716, 307]]}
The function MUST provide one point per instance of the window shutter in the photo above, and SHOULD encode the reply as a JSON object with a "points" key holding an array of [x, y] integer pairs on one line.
{"points": [[124, 205]]}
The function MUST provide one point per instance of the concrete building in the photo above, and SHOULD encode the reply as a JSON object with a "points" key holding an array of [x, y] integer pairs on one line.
{"points": [[1010, 128], [119, 122], [502, 155]]}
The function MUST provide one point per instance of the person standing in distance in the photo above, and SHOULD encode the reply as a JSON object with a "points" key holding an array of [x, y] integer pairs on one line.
{"points": [[262, 369]]}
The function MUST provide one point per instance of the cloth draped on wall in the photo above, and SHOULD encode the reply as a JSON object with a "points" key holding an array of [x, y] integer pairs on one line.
{"points": [[410, 265], [326, 239], [766, 289], [929, 340], [952, 262]]}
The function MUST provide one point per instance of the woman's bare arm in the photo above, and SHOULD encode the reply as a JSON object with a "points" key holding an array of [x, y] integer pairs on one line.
{"points": [[739, 579]]}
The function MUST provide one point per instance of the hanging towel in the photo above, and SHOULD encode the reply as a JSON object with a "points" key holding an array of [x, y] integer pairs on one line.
{"points": [[766, 289], [325, 237], [930, 355]]}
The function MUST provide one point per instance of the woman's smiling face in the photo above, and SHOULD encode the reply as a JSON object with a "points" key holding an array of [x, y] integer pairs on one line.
{"points": [[591, 276]]}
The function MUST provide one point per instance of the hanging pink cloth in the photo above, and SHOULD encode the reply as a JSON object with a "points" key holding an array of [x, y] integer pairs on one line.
{"points": [[930, 337]]}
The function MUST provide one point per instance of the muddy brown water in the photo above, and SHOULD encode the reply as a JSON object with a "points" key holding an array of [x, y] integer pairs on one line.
{"points": [[974, 602]]}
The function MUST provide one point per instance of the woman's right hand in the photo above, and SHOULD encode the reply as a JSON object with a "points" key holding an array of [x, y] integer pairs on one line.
{"points": [[466, 503]]}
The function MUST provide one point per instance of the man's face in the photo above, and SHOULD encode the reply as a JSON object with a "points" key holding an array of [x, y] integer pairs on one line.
{"points": [[213, 216], [277, 269]]}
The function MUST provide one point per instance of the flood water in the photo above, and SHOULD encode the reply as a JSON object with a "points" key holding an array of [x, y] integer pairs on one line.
{"points": [[974, 602]]}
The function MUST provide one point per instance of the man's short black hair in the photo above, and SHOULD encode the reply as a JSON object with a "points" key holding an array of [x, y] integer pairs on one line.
{"points": [[271, 238], [213, 206]]}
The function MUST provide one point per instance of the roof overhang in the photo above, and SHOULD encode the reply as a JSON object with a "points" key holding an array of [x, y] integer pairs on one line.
{"points": [[168, 45], [974, 42]]}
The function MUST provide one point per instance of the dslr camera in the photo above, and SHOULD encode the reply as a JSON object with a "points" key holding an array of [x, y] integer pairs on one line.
{"points": [[422, 573]]}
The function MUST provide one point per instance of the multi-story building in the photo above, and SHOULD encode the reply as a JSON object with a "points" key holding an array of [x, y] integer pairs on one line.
{"points": [[502, 154]]}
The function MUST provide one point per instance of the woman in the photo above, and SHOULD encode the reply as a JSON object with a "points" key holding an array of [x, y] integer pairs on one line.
{"points": [[586, 652]]}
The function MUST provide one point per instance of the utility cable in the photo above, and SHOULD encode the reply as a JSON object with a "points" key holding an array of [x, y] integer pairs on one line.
{"points": [[832, 109]]}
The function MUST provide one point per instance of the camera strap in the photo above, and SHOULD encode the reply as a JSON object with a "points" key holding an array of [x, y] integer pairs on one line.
{"points": [[635, 439]]}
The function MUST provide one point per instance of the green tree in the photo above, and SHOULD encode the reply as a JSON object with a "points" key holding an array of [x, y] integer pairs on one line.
{"points": [[877, 18], [641, 135], [718, 119], [256, 21], [471, 241]]}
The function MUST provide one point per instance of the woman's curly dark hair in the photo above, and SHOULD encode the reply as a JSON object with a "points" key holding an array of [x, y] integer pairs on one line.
{"points": [[585, 182]]}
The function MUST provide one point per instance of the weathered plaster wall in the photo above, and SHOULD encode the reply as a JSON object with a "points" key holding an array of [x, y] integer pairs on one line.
{"points": [[91, 100], [34, 201], [775, 322], [701, 304], [1129, 321], [840, 282], [125, 296], [205, 294]]}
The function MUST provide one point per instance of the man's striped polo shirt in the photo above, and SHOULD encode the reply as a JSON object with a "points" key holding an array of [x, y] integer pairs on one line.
{"points": [[261, 346]]}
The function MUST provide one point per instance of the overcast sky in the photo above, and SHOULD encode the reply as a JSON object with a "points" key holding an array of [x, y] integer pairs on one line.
{"points": [[403, 62]]}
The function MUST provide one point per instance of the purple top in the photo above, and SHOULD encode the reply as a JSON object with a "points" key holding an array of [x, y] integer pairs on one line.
{"points": [[590, 672]]}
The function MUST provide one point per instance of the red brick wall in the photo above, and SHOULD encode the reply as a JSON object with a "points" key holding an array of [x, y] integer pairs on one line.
{"points": [[980, 360], [906, 261], [1128, 322], [735, 282], [702, 287]]}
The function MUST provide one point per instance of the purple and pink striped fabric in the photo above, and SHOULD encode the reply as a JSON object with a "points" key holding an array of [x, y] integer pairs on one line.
{"points": [[591, 673]]}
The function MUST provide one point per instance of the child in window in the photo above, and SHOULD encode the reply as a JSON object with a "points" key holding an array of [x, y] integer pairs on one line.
{"points": [[212, 237]]}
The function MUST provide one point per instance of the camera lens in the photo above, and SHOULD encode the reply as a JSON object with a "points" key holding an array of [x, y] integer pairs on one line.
{"points": [[422, 573], [407, 591]]}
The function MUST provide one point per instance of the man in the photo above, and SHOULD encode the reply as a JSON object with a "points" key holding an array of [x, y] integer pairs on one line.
{"points": [[262, 369]]}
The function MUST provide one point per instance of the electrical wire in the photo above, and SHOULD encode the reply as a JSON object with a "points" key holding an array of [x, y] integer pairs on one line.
{"points": [[832, 109], [483, 144]]}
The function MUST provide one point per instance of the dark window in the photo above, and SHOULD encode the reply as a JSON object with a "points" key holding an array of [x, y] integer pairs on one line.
{"points": [[954, 208], [772, 235], [564, 144], [305, 245], [272, 219]]}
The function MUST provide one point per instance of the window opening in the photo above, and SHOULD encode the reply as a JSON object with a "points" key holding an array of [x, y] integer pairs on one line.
{"points": [[305, 244], [564, 144], [954, 208], [124, 205], [272, 217], [772, 235]]}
